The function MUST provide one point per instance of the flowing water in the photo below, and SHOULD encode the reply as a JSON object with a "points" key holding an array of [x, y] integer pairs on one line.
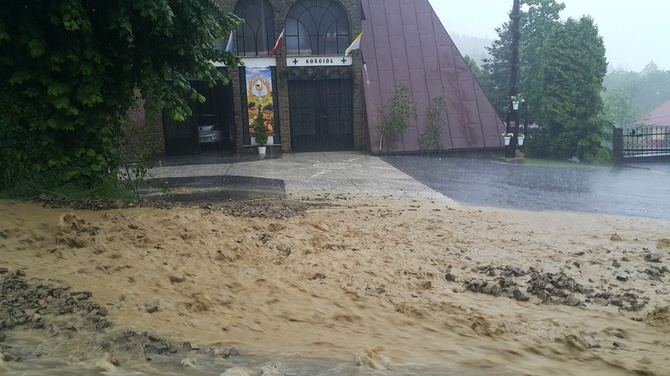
{"points": [[39, 355], [307, 290]]}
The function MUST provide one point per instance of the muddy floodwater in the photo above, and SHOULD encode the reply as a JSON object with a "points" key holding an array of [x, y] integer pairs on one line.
{"points": [[41, 356], [330, 285]]}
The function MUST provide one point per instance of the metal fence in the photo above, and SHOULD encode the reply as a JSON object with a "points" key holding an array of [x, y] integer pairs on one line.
{"points": [[642, 141]]}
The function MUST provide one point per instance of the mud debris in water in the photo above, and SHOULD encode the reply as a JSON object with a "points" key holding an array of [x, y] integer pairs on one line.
{"points": [[323, 277], [60, 311], [551, 288]]}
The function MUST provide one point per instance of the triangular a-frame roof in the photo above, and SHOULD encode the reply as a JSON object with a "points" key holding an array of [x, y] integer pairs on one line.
{"points": [[404, 43], [659, 117]]}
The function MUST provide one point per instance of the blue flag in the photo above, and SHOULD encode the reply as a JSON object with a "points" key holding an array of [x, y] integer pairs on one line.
{"points": [[229, 46]]}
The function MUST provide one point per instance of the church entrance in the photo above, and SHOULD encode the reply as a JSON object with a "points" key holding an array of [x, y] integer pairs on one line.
{"points": [[321, 113]]}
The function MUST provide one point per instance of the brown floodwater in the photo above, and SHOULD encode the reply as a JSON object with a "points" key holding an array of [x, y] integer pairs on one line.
{"points": [[308, 292], [41, 355]]}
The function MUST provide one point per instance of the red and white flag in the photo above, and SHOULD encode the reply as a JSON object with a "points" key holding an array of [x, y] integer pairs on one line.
{"points": [[279, 43]]}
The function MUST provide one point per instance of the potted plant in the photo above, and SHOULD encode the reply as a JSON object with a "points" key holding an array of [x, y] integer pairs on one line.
{"points": [[261, 133], [519, 138], [508, 137], [516, 99]]}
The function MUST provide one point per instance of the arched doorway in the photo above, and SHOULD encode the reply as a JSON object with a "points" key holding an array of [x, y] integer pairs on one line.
{"points": [[320, 91]]}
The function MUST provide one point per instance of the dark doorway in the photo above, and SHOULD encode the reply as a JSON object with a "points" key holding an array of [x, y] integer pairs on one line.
{"points": [[321, 115], [211, 127], [181, 137]]}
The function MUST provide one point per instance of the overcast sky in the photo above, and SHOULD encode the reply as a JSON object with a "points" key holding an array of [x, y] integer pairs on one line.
{"points": [[635, 32]]}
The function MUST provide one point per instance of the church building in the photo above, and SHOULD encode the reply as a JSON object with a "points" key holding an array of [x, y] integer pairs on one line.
{"points": [[319, 88]]}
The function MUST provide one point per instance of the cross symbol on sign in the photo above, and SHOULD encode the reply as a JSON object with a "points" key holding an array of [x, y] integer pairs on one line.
{"points": [[295, 61], [344, 60]]}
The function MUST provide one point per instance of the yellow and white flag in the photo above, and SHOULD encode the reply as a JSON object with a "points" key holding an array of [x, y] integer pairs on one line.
{"points": [[355, 45]]}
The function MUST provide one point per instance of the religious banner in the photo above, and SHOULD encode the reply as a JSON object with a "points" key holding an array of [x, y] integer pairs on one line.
{"points": [[259, 95]]}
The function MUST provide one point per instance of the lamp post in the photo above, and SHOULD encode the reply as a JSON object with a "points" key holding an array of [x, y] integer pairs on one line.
{"points": [[513, 113]]}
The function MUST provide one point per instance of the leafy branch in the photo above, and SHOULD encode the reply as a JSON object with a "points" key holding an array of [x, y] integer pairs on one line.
{"points": [[432, 138], [394, 117]]}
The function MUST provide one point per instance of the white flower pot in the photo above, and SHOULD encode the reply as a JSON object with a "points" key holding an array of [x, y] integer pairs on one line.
{"points": [[520, 141], [515, 105], [507, 138], [271, 140], [261, 150]]}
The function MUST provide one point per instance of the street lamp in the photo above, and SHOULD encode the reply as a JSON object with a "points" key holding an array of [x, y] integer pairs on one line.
{"points": [[513, 112]]}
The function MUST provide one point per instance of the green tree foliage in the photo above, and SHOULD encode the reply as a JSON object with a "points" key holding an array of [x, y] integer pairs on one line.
{"points": [[538, 18], [655, 88], [68, 70], [620, 108], [572, 71], [482, 76], [590, 147], [632, 95], [538, 22], [562, 66], [498, 70]]}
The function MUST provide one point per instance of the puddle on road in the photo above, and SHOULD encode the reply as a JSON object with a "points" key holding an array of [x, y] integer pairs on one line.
{"points": [[213, 189]]}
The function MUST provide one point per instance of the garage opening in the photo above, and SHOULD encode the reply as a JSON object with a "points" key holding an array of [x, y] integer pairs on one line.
{"points": [[211, 127]]}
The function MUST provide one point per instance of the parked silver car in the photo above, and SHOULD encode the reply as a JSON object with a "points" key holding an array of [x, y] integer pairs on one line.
{"points": [[209, 129]]}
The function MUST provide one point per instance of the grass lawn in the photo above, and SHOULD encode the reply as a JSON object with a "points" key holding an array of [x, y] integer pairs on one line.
{"points": [[554, 163]]}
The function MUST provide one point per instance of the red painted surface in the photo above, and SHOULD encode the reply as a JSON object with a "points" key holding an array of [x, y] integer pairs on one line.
{"points": [[659, 117], [404, 43]]}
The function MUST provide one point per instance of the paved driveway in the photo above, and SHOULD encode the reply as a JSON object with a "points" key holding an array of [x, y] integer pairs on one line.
{"points": [[198, 179], [633, 190]]}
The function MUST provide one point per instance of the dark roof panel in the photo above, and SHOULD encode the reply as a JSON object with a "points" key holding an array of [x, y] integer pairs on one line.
{"points": [[408, 12], [404, 42]]}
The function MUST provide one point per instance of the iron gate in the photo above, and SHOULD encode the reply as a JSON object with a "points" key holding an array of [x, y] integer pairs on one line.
{"points": [[642, 141]]}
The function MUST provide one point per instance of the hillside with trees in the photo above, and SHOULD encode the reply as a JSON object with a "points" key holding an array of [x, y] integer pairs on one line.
{"points": [[630, 96], [471, 46]]}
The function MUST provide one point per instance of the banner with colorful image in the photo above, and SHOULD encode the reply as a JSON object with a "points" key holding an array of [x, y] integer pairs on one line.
{"points": [[259, 92]]}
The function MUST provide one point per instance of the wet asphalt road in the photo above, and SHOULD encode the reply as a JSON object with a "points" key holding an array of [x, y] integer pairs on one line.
{"points": [[640, 189]]}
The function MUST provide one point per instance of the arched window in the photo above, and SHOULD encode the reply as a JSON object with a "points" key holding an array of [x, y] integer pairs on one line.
{"points": [[255, 37], [317, 27]]}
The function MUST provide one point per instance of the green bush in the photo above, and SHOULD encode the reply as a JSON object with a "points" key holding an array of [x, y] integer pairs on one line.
{"points": [[603, 157], [69, 70], [393, 117], [261, 133], [432, 138], [29, 184]]}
